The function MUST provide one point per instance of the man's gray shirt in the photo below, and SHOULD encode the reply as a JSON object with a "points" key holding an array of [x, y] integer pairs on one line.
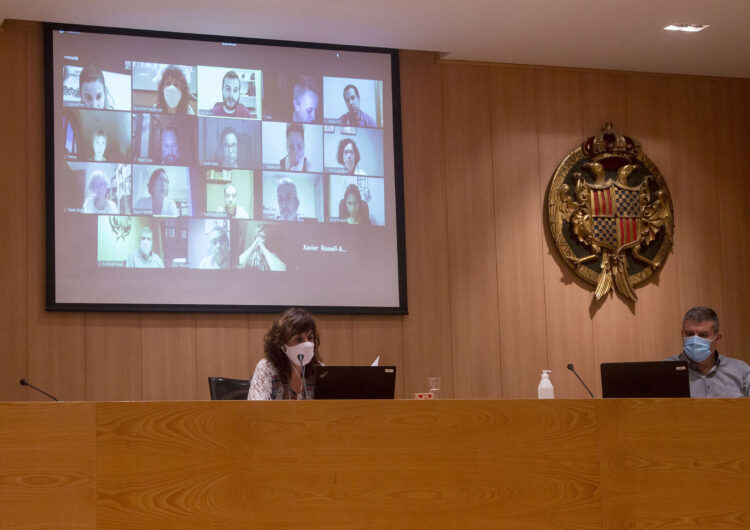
{"points": [[727, 378]]}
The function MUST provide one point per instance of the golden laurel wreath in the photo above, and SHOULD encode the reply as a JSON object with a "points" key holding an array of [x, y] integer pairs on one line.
{"points": [[610, 213]]}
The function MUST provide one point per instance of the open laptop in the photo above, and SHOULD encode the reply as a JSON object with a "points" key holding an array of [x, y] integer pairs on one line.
{"points": [[651, 379], [355, 382]]}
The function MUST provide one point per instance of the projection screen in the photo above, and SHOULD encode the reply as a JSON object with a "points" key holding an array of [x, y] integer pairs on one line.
{"points": [[204, 173]]}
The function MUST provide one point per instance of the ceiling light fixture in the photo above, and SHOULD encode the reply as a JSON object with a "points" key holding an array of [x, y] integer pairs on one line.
{"points": [[690, 28]]}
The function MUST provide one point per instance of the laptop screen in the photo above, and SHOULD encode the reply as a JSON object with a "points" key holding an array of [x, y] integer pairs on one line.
{"points": [[650, 379], [355, 382]]}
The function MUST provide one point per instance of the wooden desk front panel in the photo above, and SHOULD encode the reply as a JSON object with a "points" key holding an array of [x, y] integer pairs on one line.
{"points": [[47, 465], [522, 464], [675, 462], [404, 464]]}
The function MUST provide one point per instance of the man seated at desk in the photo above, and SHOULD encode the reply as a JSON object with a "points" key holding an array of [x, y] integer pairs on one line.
{"points": [[711, 374]]}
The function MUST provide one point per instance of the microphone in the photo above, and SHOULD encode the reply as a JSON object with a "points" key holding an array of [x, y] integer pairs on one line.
{"points": [[573, 369], [300, 358], [24, 382]]}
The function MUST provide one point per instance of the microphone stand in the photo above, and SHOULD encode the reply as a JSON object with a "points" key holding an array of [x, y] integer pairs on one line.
{"points": [[302, 369], [573, 369], [24, 382]]}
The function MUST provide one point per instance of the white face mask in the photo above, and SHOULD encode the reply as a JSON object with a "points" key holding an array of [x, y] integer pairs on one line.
{"points": [[306, 349], [146, 246], [172, 96]]}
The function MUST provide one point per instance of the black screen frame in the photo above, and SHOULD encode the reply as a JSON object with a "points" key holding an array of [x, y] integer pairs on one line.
{"points": [[53, 305]]}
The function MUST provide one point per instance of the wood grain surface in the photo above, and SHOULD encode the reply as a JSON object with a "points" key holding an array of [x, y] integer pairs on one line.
{"points": [[379, 464], [674, 463], [659, 463], [48, 466]]}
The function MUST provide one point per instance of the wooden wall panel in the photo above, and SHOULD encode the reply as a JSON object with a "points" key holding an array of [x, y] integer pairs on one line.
{"points": [[13, 190], [379, 337], [696, 195], [658, 308], [113, 357], [568, 300], [259, 326], [57, 341], [223, 349], [336, 339], [519, 225], [426, 331], [169, 357], [731, 100], [471, 232]]}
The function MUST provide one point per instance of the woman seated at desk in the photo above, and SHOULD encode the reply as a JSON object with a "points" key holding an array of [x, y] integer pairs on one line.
{"points": [[279, 374]]}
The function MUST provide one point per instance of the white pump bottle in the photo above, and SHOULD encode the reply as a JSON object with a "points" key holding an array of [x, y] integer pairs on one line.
{"points": [[545, 390]]}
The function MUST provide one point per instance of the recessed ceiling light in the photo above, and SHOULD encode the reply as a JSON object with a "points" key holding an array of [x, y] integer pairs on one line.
{"points": [[691, 28]]}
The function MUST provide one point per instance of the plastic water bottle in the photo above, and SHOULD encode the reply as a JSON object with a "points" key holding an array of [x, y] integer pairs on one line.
{"points": [[545, 390]]}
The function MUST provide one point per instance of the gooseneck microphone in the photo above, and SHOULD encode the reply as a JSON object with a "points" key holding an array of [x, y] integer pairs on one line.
{"points": [[24, 382], [573, 369], [301, 358]]}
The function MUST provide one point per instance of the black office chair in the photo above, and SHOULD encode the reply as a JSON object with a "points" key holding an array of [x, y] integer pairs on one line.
{"points": [[223, 388]]}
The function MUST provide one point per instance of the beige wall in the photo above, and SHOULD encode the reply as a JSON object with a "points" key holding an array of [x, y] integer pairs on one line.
{"points": [[491, 304]]}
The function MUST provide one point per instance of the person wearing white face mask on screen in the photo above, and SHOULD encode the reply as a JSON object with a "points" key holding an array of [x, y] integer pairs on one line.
{"points": [[711, 374], [145, 257], [291, 356], [173, 93]]}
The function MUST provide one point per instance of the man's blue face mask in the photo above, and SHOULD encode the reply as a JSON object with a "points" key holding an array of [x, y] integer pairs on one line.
{"points": [[696, 348]]}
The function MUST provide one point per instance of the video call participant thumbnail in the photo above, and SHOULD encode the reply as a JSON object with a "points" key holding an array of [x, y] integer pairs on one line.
{"points": [[97, 88], [353, 102], [305, 99], [170, 143], [352, 208], [157, 203], [230, 106], [209, 244], [145, 257], [218, 258], [99, 146], [257, 256], [348, 156], [173, 92], [295, 159], [164, 138], [357, 200], [230, 207], [295, 197], [355, 116], [229, 143], [97, 136], [97, 200], [93, 88], [293, 146], [127, 241], [353, 154], [229, 148]]}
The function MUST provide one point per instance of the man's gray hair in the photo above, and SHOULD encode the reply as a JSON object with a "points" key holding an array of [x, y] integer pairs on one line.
{"points": [[702, 314]]}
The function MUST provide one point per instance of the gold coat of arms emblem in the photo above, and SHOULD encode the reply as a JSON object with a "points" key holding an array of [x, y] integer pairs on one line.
{"points": [[610, 213]]}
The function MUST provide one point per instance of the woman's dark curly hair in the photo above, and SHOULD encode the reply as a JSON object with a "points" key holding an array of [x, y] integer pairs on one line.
{"points": [[342, 145], [178, 76], [285, 326]]}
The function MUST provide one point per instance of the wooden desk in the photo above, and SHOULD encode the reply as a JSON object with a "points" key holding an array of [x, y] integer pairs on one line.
{"points": [[376, 464]]}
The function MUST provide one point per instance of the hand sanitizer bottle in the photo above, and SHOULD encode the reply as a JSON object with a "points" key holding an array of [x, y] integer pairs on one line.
{"points": [[545, 389]]}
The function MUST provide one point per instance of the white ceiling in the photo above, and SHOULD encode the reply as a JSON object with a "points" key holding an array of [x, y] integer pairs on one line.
{"points": [[606, 34]]}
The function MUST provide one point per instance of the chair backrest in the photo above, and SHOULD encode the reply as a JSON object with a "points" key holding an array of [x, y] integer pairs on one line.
{"points": [[223, 388]]}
